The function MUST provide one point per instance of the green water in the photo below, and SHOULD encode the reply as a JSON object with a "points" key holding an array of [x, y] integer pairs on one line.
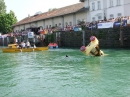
{"points": [[51, 74]]}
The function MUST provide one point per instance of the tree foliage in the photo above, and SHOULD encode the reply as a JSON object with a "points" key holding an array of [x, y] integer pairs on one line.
{"points": [[52, 9], [6, 22], [2, 7]]}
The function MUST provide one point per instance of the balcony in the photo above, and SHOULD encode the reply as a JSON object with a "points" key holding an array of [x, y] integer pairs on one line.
{"points": [[81, 0]]}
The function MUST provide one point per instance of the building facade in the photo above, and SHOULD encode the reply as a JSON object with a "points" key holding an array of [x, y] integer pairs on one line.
{"points": [[98, 9], [87, 10], [61, 17]]}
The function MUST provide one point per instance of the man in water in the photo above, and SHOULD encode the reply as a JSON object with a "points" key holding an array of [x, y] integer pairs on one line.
{"points": [[66, 55]]}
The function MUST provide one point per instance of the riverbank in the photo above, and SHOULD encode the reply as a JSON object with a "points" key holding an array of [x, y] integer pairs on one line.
{"points": [[108, 38]]}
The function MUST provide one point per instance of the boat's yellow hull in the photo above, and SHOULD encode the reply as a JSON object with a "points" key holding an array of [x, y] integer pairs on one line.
{"points": [[12, 50], [41, 48]]}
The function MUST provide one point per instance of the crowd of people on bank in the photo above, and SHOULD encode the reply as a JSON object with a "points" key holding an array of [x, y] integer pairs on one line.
{"points": [[117, 22]]}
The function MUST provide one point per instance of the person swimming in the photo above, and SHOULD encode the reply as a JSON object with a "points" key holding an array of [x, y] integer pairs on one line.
{"points": [[66, 55]]}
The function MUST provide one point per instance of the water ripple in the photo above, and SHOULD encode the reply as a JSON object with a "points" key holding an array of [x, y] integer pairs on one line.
{"points": [[52, 74]]}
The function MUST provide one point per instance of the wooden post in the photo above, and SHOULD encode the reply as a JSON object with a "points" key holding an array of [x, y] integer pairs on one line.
{"points": [[121, 37], [57, 37], [14, 40], [83, 32]]}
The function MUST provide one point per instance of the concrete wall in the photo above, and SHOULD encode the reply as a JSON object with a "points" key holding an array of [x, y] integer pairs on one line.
{"points": [[115, 11], [16, 28], [126, 7], [34, 24], [48, 22], [108, 38], [27, 26], [81, 16], [68, 19], [40, 23], [126, 1], [58, 20], [22, 27]]}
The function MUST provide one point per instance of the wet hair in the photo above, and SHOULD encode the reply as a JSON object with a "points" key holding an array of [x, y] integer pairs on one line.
{"points": [[66, 55]]}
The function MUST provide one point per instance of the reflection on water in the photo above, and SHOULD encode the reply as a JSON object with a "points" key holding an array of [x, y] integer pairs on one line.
{"points": [[93, 66], [52, 74]]}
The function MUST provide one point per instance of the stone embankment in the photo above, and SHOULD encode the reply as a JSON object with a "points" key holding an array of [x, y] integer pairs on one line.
{"points": [[109, 38]]}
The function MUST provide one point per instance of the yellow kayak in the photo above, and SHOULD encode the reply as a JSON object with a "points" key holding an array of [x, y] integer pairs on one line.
{"points": [[13, 48]]}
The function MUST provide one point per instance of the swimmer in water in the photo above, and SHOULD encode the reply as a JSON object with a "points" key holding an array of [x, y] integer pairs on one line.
{"points": [[66, 55]]}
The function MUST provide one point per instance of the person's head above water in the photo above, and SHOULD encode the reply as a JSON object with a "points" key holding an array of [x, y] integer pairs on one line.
{"points": [[66, 55]]}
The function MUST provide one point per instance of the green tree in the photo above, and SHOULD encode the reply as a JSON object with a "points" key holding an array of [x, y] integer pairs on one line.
{"points": [[52, 9], [6, 22], [14, 18], [2, 7]]}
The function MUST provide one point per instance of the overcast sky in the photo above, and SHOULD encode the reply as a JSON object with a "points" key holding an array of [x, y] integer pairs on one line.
{"points": [[22, 8]]}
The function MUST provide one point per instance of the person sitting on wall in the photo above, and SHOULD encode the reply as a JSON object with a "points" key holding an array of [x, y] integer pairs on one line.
{"points": [[16, 41], [28, 44], [23, 44], [128, 21], [20, 46], [34, 46]]}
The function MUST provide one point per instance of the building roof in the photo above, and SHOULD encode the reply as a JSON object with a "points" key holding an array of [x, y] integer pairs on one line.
{"points": [[54, 13]]}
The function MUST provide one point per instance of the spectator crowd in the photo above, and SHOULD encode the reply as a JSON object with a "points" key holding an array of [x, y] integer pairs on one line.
{"points": [[116, 22]]}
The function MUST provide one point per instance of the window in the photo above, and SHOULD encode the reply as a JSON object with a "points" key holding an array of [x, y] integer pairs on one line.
{"points": [[111, 16], [99, 5], [78, 21], [119, 14], [83, 20], [66, 24], [111, 3], [99, 17], [93, 18], [70, 23], [55, 25], [49, 26], [93, 6], [59, 24], [118, 2]]}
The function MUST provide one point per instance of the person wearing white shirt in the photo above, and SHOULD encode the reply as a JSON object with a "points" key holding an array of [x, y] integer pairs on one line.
{"points": [[16, 40], [28, 44], [128, 21], [23, 45]]}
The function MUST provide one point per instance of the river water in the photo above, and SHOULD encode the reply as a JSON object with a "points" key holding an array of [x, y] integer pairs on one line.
{"points": [[51, 74]]}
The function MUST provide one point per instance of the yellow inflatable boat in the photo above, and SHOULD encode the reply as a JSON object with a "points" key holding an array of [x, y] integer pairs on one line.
{"points": [[14, 48], [92, 48]]}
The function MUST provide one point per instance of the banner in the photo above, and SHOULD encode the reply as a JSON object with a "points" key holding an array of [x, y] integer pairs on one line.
{"points": [[30, 34], [105, 25], [77, 29], [117, 24]]}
